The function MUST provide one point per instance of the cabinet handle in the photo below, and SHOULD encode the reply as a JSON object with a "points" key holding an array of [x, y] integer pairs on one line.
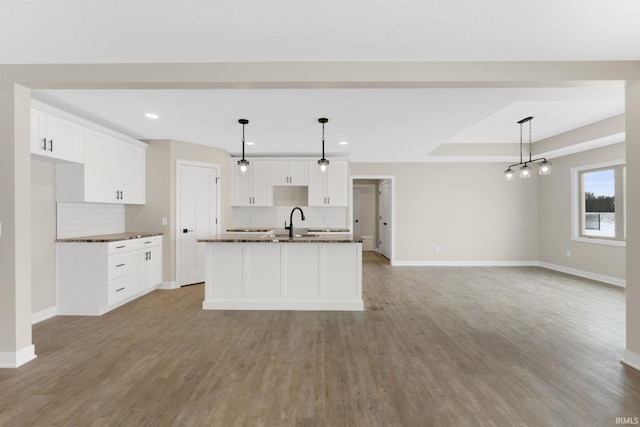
{"points": [[51, 145], [120, 265], [44, 145], [149, 255], [117, 194], [120, 247], [121, 289], [121, 194], [146, 256], [328, 200], [146, 243]]}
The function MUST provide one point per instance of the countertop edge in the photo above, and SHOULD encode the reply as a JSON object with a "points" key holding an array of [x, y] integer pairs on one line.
{"points": [[106, 238]]}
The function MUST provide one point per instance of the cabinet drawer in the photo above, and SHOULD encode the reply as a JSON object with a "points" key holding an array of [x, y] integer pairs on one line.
{"points": [[147, 242], [121, 246], [118, 290], [118, 266]]}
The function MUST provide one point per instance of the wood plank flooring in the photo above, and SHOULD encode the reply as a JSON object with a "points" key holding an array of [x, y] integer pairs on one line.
{"points": [[437, 346]]}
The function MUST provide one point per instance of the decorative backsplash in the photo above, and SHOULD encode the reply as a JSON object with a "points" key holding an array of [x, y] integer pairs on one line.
{"points": [[270, 217], [88, 219]]}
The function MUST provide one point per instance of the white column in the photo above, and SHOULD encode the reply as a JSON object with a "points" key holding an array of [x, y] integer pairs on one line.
{"points": [[16, 347]]}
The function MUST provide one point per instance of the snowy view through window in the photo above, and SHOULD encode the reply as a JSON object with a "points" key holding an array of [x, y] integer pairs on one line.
{"points": [[599, 214]]}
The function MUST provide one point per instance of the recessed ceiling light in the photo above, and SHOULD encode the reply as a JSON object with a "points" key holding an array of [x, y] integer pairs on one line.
{"points": [[343, 142], [251, 143], [152, 115]]}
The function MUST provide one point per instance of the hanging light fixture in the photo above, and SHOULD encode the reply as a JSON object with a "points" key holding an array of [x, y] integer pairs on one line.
{"points": [[323, 162], [243, 163], [525, 170]]}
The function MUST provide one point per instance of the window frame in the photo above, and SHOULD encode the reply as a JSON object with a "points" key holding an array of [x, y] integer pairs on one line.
{"points": [[577, 203]]}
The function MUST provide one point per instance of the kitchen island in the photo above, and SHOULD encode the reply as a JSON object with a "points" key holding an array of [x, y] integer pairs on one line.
{"points": [[276, 272]]}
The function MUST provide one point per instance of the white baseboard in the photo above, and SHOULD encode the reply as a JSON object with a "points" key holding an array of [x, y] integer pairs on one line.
{"points": [[586, 274], [18, 358], [168, 285], [467, 263], [355, 305], [45, 314], [630, 358]]}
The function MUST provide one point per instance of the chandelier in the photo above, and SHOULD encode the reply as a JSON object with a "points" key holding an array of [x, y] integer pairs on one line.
{"points": [[544, 168]]}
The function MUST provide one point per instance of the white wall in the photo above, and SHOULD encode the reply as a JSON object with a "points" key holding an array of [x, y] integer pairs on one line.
{"points": [[554, 217], [468, 210]]}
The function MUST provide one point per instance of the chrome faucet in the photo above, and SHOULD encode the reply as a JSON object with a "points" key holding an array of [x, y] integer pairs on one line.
{"points": [[290, 227]]}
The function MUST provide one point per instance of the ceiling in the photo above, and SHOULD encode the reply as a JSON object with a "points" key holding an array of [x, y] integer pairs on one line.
{"points": [[378, 124]]}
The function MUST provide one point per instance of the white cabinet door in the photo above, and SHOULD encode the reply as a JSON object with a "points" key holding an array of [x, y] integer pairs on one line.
{"points": [[38, 132], [242, 186], [280, 173], [336, 183], [261, 177], [317, 192], [153, 267], [252, 188], [285, 172], [328, 188], [56, 138], [131, 173], [100, 168]]}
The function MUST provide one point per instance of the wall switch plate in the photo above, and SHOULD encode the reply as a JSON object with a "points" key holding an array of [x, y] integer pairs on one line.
{"points": [[568, 254], [164, 220], [437, 248]]}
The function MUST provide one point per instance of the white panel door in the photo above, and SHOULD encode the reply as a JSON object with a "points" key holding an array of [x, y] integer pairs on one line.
{"points": [[197, 195], [385, 219]]}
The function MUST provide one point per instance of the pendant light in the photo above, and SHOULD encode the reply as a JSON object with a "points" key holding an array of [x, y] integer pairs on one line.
{"points": [[323, 162], [243, 163], [525, 170]]}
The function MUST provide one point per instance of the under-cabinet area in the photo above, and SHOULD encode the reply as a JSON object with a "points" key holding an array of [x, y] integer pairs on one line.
{"points": [[99, 273]]}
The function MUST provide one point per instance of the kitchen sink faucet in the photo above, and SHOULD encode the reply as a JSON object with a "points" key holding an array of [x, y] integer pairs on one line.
{"points": [[290, 227]]}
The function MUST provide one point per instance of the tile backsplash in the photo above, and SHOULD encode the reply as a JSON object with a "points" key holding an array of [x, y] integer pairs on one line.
{"points": [[88, 219], [274, 217]]}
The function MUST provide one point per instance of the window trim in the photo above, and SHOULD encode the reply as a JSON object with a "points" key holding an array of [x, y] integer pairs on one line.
{"points": [[576, 204]]}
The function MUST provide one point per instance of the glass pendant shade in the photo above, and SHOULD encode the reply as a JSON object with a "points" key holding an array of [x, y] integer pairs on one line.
{"points": [[544, 168], [323, 164], [525, 171], [509, 174], [243, 165]]}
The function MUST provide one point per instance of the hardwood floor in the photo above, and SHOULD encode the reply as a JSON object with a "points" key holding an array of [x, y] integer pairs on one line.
{"points": [[437, 346]]}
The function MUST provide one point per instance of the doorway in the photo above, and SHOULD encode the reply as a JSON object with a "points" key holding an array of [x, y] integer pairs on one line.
{"points": [[197, 212], [372, 213]]}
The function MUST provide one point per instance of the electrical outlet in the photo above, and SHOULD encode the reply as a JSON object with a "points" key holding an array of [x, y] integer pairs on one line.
{"points": [[164, 220], [437, 248], [568, 253], [251, 219]]}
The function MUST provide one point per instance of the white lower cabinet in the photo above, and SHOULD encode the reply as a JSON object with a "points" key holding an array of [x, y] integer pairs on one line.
{"points": [[94, 278], [283, 276]]}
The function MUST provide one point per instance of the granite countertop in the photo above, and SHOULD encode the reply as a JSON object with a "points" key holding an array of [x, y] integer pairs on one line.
{"points": [[249, 230], [271, 238], [102, 238], [328, 230]]}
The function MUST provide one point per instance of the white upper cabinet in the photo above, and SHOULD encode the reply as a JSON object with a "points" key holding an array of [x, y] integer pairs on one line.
{"points": [[328, 188], [252, 188], [113, 172], [289, 172], [56, 138]]}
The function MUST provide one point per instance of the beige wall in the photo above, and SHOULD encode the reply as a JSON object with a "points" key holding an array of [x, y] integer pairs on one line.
{"points": [[554, 219], [161, 193], [468, 210], [43, 235]]}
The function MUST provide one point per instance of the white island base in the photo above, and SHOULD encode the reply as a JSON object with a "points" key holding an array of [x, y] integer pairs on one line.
{"points": [[283, 276]]}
